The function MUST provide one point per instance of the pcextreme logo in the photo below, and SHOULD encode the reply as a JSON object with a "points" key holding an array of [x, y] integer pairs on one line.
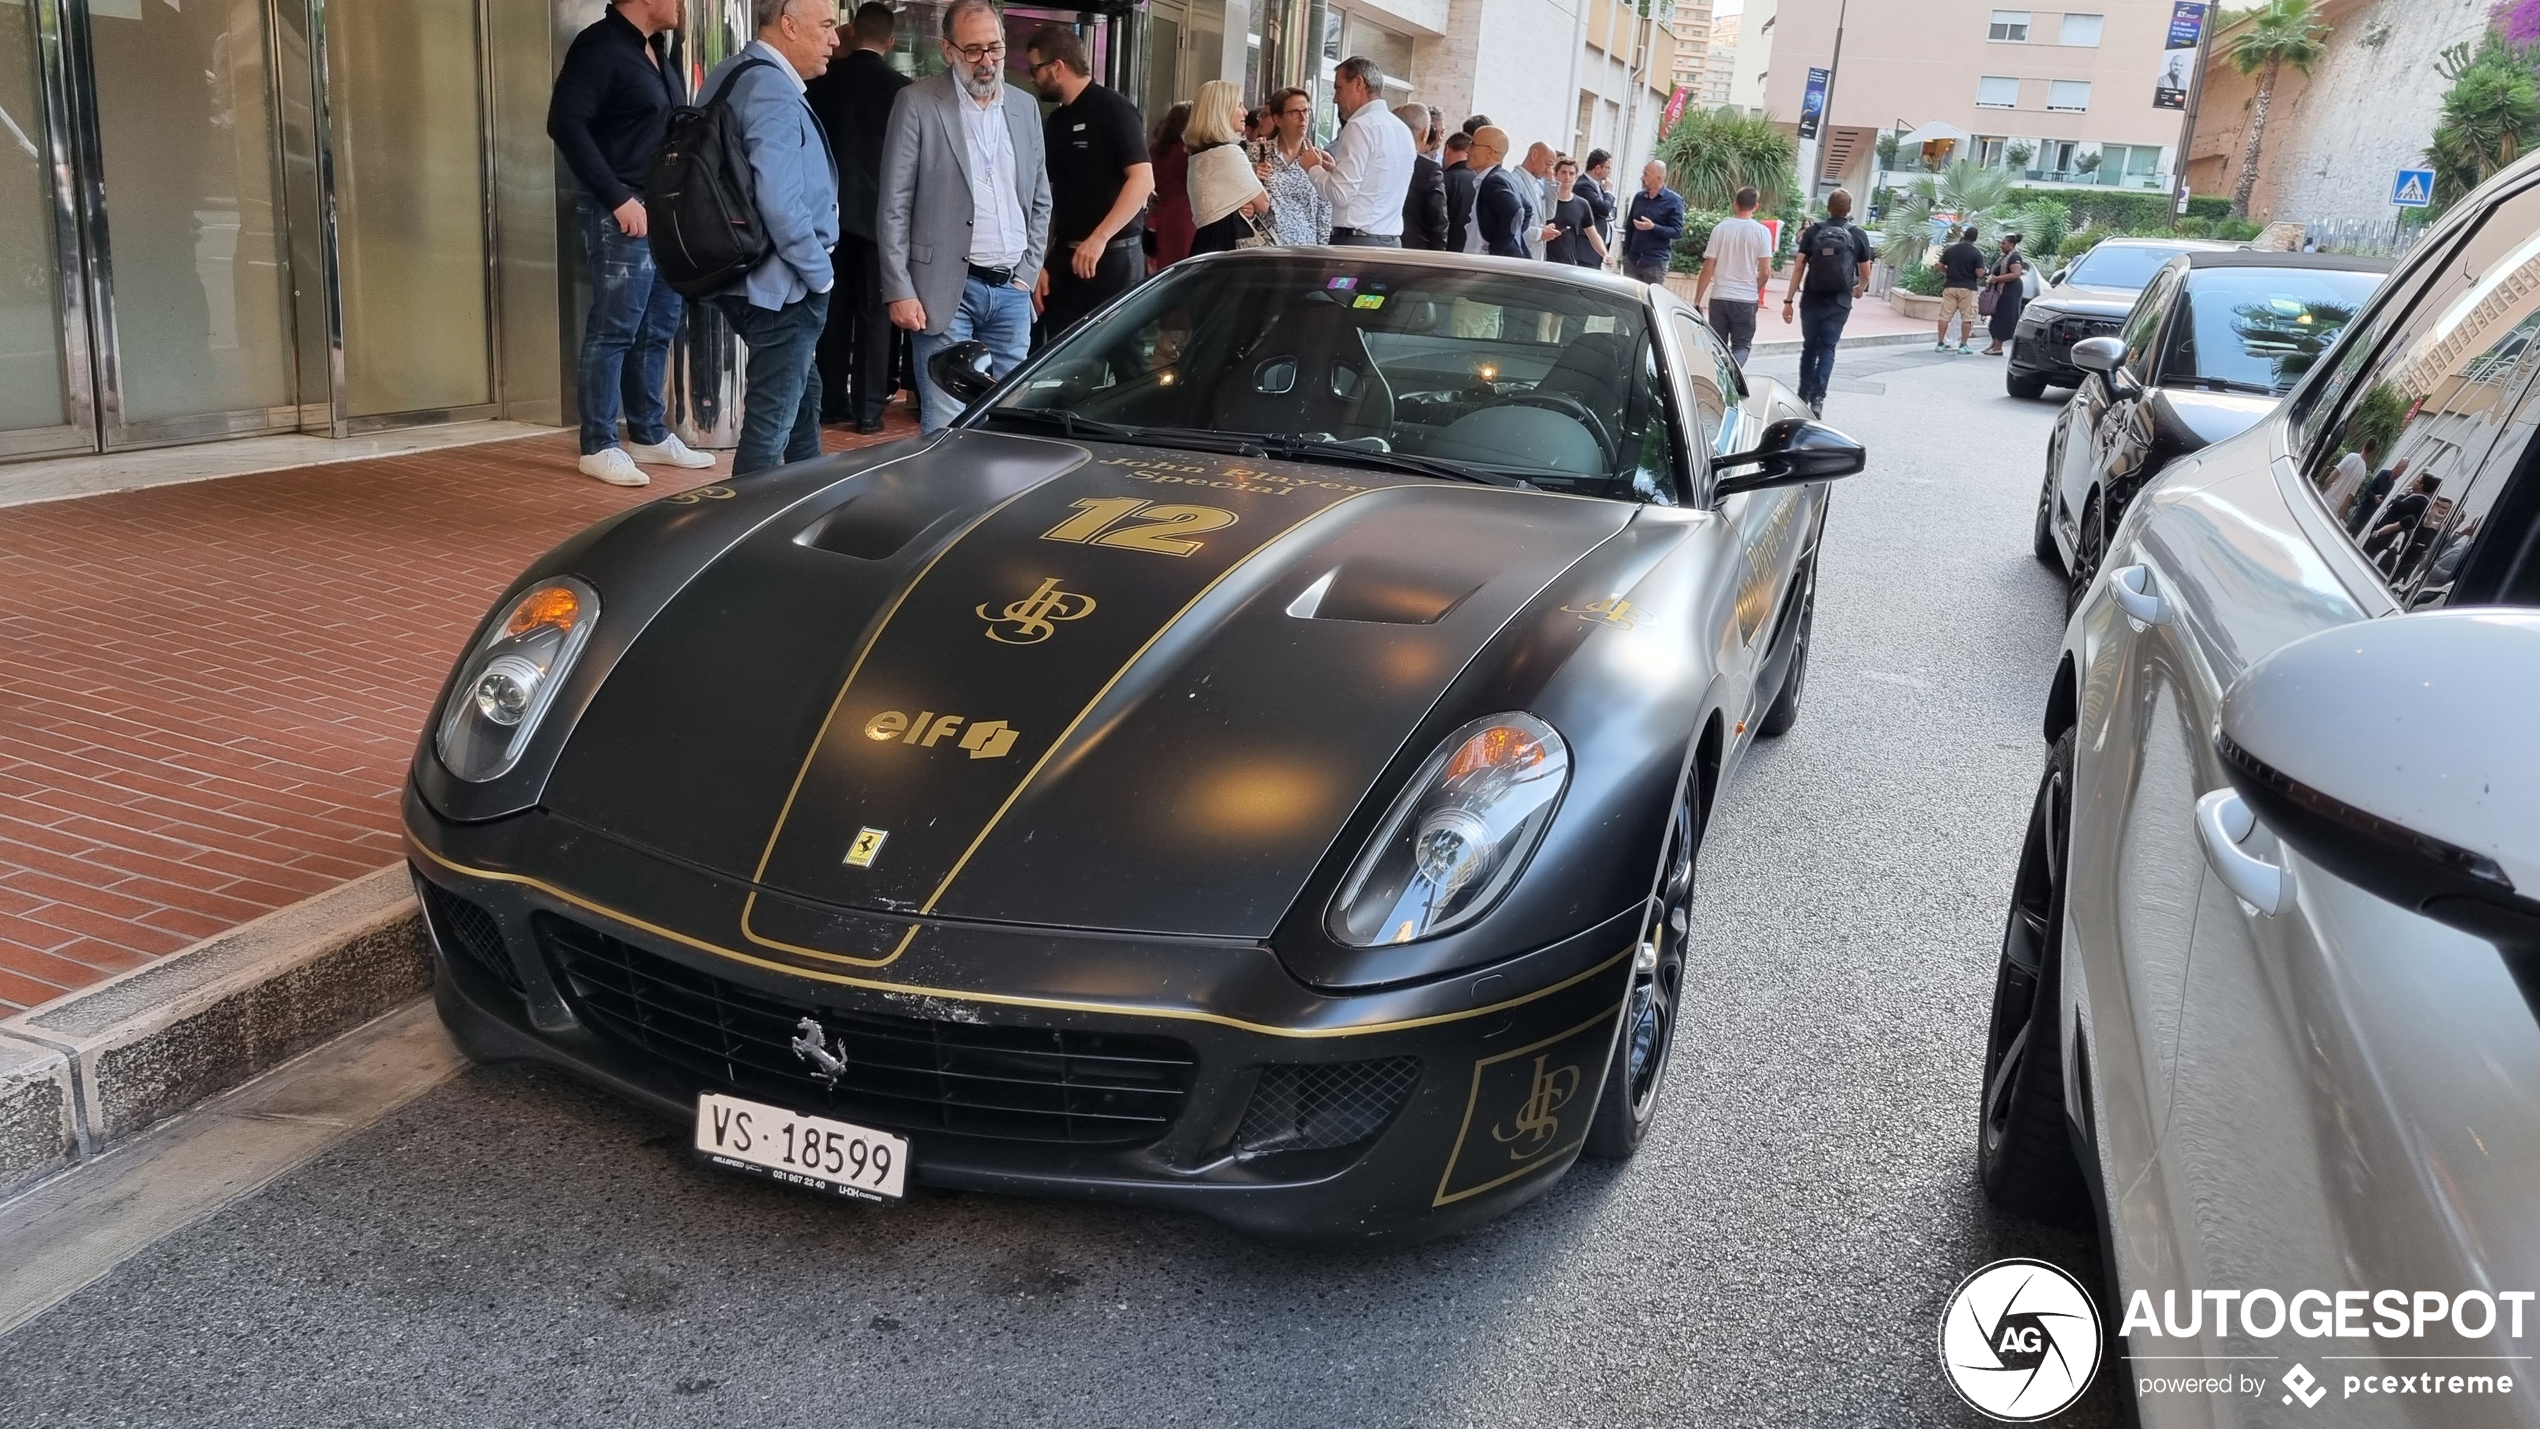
{"points": [[2201, 1317], [2020, 1340]]}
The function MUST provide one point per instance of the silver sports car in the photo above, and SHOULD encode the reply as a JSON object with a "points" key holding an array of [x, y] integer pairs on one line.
{"points": [[2237, 1014]]}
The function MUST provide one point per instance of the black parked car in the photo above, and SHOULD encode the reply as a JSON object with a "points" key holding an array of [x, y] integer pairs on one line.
{"points": [[2088, 299], [2209, 348]]}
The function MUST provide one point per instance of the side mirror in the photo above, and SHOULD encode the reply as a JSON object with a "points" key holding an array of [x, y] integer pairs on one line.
{"points": [[2397, 754], [2058, 280], [962, 370], [2106, 356], [1793, 453]]}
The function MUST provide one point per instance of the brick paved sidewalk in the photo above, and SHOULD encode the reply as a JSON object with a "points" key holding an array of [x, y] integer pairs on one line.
{"points": [[209, 692]]}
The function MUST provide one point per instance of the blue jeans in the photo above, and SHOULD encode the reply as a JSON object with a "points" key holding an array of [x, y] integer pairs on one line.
{"points": [[1001, 317], [1820, 328], [780, 403], [626, 342]]}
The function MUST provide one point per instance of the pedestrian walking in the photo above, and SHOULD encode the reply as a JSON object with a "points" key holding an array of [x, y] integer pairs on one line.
{"points": [[1229, 207], [1652, 222], [1368, 170], [2008, 285], [1534, 190], [859, 348], [1169, 225], [1424, 203], [1737, 266], [1573, 220], [606, 115], [1832, 268], [965, 211], [1100, 179], [1596, 185], [1961, 277], [1500, 210], [779, 307], [1461, 181], [1299, 214]]}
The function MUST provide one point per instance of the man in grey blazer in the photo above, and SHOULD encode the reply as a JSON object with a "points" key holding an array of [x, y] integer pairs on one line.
{"points": [[780, 306], [965, 206]]}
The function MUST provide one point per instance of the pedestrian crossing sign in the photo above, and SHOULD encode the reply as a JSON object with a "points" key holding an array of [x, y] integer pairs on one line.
{"points": [[2414, 188]]}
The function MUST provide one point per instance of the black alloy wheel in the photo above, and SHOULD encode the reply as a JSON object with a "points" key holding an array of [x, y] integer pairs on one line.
{"points": [[2090, 543], [2020, 384], [2024, 1154], [2042, 536], [1628, 1105]]}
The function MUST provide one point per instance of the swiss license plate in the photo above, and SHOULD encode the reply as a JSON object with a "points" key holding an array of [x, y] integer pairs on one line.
{"points": [[838, 1157]]}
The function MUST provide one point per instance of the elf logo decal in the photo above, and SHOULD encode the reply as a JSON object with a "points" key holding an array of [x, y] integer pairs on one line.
{"points": [[1614, 611], [1030, 621], [985, 739]]}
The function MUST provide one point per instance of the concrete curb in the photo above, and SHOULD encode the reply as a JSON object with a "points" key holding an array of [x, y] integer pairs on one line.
{"points": [[90, 1068], [1790, 345]]}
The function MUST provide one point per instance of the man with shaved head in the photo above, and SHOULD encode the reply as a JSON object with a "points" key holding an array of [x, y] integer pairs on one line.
{"points": [[1651, 225], [1538, 196], [1499, 205]]}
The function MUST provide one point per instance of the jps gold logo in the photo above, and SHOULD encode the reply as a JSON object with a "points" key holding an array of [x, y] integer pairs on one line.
{"points": [[1538, 1118], [985, 739], [695, 494], [1032, 619], [1614, 611]]}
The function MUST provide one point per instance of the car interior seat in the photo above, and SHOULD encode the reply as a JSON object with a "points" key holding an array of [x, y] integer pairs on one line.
{"points": [[1309, 372]]}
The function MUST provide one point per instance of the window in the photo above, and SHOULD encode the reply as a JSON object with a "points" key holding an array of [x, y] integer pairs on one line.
{"points": [[2257, 330], [2408, 440], [2081, 31], [1998, 91], [2144, 323], [2069, 95], [2010, 25]]}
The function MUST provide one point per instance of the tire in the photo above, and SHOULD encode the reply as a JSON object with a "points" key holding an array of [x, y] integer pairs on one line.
{"points": [[1628, 1105], [2024, 1152], [2022, 386], [2090, 545], [2042, 535], [1785, 708]]}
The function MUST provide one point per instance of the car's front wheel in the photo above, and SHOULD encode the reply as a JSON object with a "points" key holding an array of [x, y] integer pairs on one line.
{"points": [[1628, 1106], [2026, 387], [2042, 533], [2090, 543], [2024, 1156]]}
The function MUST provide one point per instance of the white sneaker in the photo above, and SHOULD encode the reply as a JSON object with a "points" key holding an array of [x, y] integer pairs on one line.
{"points": [[670, 452], [615, 467]]}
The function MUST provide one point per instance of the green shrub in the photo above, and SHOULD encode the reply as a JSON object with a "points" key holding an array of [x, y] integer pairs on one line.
{"points": [[2076, 244], [2104, 210], [2238, 230], [2194, 227], [1920, 278], [1694, 241]]}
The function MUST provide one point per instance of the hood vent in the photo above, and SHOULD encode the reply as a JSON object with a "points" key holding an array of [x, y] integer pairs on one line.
{"points": [[872, 525], [1383, 591]]}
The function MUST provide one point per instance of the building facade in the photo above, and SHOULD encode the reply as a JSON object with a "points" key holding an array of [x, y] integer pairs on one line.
{"points": [[1719, 62], [1755, 32], [2061, 97], [1694, 19]]}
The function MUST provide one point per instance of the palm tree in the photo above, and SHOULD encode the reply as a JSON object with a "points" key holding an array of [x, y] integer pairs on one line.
{"points": [[2490, 115], [1711, 154], [2279, 33], [1966, 188]]}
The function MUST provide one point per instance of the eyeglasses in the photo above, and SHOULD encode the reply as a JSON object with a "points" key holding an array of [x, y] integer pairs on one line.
{"points": [[980, 54]]}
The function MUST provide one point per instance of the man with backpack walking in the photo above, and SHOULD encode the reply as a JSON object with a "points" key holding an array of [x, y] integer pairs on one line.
{"points": [[611, 104], [1833, 268], [780, 305]]}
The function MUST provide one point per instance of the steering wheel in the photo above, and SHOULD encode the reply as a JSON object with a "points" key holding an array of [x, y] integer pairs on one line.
{"points": [[1571, 407]]}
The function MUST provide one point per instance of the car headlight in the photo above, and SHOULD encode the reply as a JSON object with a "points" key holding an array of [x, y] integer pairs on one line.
{"points": [[1456, 839], [511, 677]]}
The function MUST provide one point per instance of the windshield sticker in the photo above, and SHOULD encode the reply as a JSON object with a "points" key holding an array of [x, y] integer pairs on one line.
{"points": [[1368, 300], [1341, 285]]}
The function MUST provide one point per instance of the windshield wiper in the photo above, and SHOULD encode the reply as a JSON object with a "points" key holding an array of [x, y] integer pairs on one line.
{"points": [[2222, 384], [1300, 448]]}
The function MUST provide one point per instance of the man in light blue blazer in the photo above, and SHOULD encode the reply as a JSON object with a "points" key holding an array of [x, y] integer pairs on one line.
{"points": [[780, 306], [965, 206]]}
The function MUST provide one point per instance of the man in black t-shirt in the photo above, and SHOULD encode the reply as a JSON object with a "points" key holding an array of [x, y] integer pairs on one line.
{"points": [[1100, 178], [1961, 279], [1831, 268]]}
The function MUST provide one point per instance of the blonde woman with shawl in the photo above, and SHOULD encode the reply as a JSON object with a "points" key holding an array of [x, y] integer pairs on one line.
{"points": [[1226, 195]]}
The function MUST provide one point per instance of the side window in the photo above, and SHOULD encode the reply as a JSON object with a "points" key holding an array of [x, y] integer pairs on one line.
{"points": [[2144, 323], [2475, 544], [1659, 476], [2406, 430], [1702, 376]]}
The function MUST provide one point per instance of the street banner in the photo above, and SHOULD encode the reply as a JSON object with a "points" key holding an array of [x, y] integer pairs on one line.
{"points": [[1675, 109], [1812, 105], [2178, 54]]}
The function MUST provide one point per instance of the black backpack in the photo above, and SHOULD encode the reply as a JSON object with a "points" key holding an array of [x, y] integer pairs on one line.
{"points": [[699, 198], [1831, 258]]}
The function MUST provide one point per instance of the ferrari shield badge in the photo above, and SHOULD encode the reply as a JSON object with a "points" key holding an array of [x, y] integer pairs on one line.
{"points": [[866, 847]]}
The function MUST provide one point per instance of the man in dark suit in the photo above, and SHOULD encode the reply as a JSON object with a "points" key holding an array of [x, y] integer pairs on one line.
{"points": [[1424, 203], [1499, 210], [1461, 182], [853, 101]]}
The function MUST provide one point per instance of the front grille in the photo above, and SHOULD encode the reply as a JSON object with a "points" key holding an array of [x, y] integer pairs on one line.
{"points": [[1311, 1107], [903, 1073], [470, 930], [2064, 332]]}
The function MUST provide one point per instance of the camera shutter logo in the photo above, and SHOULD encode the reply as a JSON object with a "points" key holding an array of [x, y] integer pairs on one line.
{"points": [[2020, 1340]]}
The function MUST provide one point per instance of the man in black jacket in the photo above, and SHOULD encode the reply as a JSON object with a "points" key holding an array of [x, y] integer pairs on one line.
{"points": [[1424, 203], [1500, 212], [1461, 183], [853, 102], [611, 103]]}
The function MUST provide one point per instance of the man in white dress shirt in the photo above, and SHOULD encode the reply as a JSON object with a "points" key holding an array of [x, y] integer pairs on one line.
{"points": [[1368, 169]]}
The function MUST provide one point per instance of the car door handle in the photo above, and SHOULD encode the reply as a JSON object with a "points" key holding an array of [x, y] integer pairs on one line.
{"points": [[2132, 588], [2222, 820]]}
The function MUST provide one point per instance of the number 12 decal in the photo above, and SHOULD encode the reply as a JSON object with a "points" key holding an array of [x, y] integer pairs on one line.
{"points": [[1155, 528]]}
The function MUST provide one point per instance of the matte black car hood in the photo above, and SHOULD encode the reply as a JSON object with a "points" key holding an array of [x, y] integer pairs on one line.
{"points": [[1115, 687], [2190, 420]]}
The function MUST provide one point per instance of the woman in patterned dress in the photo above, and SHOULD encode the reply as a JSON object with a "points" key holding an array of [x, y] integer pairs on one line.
{"points": [[1299, 214]]}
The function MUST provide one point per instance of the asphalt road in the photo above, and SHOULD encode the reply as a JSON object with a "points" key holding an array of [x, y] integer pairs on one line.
{"points": [[509, 1249]]}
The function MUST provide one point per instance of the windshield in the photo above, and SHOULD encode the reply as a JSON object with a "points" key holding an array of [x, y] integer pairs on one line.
{"points": [[2258, 329], [1508, 375], [2127, 265]]}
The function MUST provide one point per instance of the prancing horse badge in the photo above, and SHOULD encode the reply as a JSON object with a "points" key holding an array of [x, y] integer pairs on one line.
{"points": [[866, 847]]}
